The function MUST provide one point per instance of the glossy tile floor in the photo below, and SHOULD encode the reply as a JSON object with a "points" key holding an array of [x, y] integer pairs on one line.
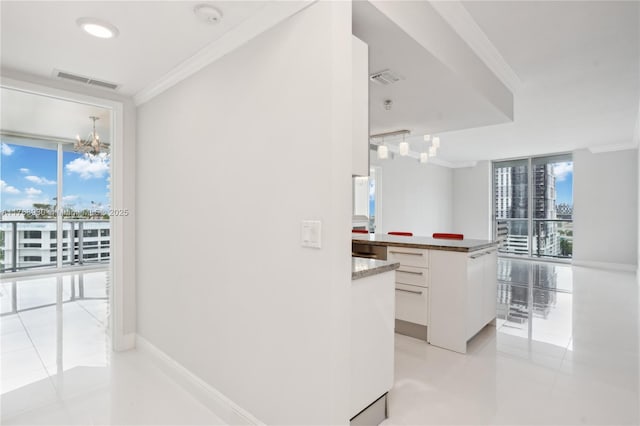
{"points": [[58, 368], [564, 351]]}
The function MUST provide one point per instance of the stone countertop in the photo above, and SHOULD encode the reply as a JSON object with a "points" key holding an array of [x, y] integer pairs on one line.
{"points": [[423, 242], [361, 267]]}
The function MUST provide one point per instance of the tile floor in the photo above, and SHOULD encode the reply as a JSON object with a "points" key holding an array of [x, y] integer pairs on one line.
{"points": [[564, 351], [58, 368]]}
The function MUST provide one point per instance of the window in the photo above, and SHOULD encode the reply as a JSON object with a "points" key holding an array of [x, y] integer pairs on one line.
{"points": [[533, 206], [32, 245], [32, 259], [90, 233], [53, 235], [104, 232], [364, 193], [104, 255], [32, 235], [90, 243], [91, 255]]}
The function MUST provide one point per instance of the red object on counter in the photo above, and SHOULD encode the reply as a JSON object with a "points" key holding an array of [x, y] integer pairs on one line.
{"points": [[402, 234], [448, 236], [359, 231]]}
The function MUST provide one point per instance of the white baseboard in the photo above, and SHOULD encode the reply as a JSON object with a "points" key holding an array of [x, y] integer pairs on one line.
{"points": [[625, 267], [215, 400]]}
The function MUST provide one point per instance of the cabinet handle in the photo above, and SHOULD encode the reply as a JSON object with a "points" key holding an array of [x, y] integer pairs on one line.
{"points": [[410, 272], [405, 252], [479, 255], [408, 291]]}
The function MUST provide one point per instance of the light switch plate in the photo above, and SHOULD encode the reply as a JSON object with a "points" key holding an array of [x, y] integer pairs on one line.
{"points": [[310, 233]]}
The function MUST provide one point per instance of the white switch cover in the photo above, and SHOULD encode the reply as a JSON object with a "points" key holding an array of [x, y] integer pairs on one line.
{"points": [[310, 232]]}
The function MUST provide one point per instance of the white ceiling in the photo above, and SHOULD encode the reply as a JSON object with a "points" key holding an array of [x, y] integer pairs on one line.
{"points": [[579, 63], [155, 36], [431, 98], [28, 113]]}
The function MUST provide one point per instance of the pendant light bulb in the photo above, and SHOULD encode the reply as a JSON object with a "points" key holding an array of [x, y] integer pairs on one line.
{"points": [[383, 152], [436, 141], [432, 151], [404, 148], [427, 138], [424, 157]]}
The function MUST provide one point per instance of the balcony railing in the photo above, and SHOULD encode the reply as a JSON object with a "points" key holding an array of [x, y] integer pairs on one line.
{"points": [[31, 244], [551, 238]]}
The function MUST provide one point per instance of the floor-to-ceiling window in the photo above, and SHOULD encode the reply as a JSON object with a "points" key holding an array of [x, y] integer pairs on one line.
{"points": [[533, 206]]}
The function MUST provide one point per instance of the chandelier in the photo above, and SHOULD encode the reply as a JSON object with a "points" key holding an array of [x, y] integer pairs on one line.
{"points": [[384, 144], [92, 147]]}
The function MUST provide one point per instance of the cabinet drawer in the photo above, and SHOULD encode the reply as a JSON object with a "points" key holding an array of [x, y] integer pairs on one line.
{"points": [[412, 304], [409, 256], [412, 276]]}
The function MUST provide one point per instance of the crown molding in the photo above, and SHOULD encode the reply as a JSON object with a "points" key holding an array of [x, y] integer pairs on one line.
{"points": [[269, 16], [459, 18], [598, 149]]}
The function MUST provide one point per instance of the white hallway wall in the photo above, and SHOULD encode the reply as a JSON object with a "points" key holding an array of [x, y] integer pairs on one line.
{"points": [[224, 286], [414, 197], [472, 201], [606, 207]]}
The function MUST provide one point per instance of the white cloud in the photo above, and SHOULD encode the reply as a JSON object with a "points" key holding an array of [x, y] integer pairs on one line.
{"points": [[24, 170], [32, 192], [88, 169], [68, 198], [8, 189], [6, 149], [562, 170], [39, 180]]}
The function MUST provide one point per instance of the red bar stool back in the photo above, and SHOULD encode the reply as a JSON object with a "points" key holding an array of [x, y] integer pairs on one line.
{"points": [[359, 231], [403, 234], [446, 236]]}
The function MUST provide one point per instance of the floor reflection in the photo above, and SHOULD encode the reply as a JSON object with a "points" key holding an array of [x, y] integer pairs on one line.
{"points": [[51, 324]]}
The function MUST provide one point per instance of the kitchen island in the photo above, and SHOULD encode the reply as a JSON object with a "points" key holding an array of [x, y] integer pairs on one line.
{"points": [[445, 289], [372, 338]]}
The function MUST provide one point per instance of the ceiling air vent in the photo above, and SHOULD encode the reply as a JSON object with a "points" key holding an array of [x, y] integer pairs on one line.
{"points": [[85, 80], [385, 77]]}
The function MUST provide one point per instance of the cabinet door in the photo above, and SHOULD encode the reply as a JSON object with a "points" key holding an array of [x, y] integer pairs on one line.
{"points": [[360, 84], [412, 304], [490, 286]]}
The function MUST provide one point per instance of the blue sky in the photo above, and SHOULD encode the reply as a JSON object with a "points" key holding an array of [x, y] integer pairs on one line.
{"points": [[28, 176], [564, 182]]}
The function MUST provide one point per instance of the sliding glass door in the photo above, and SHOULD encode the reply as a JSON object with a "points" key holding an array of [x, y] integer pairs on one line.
{"points": [[533, 206]]}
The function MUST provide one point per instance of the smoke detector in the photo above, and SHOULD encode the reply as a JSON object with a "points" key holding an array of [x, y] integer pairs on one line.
{"points": [[385, 77], [207, 13]]}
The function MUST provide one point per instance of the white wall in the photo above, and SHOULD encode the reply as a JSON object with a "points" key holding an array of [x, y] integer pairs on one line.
{"points": [[414, 197], [472, 201], [128, 244], [230, 161], [605, 207]]}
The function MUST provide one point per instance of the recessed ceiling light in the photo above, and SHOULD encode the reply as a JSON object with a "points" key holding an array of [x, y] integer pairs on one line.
{"points": [[97, 28]]}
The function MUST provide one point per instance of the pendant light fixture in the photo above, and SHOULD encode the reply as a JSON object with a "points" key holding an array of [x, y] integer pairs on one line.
{"points": [[403, 147], [436, 141], [432, 151], [424, 157]]}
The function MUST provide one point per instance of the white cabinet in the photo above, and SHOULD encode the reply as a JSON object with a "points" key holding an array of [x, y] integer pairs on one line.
{"points": [[372, 347], [412, 288], [462, 293], [360, 84]]}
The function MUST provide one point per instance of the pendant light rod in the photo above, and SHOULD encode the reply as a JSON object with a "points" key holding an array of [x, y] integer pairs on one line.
{"points": [[389, 134]]}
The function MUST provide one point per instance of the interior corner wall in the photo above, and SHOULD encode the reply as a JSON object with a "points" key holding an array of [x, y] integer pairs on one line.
{"points": [[472, 201], [414, 197], [232, 159], [605, 207]]}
